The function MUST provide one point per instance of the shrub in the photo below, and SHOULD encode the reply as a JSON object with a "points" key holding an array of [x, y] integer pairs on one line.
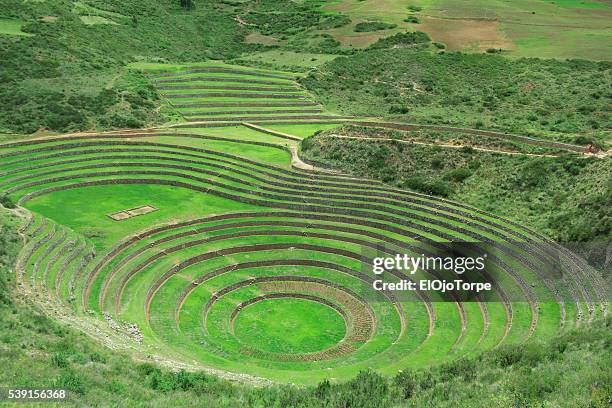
{"points": [[368, 26], [407, 382], [401, 39], [7, 202], [412, 19], [583, 140], [437, 187], [333, 21], [437, 163], [70, 380], [187, 4], [398, 109], [458, 174], [59, 360]]}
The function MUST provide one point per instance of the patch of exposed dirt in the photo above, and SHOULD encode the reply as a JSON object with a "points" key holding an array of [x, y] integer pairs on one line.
{"points": [[48, 19], [258, 38], [461, 34]]}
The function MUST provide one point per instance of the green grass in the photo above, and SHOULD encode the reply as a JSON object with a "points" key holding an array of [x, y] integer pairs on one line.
{"points": [[93, 20], [12, 27], [289, 326], [225, 94], [278, 58], [581, 4], [301, 130], [88, 210], [572, 28], [240, 133]]}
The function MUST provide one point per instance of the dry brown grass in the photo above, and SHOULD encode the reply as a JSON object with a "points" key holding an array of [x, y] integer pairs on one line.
{"points": [[258, 38], [461, 34]]}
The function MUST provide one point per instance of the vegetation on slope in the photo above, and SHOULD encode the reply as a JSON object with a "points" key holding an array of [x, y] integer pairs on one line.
{"points": [[570, 370], [566, 197], [70, 74], [529, 96]]}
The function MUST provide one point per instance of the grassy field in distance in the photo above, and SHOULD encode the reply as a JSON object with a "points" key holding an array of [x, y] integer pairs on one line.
{"points": [[526, 28]]}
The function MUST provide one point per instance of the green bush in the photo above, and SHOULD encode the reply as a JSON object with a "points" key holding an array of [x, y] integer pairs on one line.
{"points": [[369, 26], [399, 110], [401, 40], [7, 202], [458, 175], [436, 187], [407, 382], [583, 140], [70, 380]]}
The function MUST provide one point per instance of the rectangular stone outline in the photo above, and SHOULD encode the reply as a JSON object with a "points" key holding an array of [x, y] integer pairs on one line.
{"points": [[132, 212]]}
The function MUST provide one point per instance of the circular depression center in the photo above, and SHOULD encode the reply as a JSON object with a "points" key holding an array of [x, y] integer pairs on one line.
{"points": [[289, 325]]}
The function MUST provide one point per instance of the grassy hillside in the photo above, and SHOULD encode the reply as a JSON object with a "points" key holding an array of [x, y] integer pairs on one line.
{"points": [[70, 72], [532, 96], [570, 370], [563, 197], [64, 66]]}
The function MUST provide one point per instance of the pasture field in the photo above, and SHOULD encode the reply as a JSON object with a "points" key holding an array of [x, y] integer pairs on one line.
{"points": [[524, 28]]}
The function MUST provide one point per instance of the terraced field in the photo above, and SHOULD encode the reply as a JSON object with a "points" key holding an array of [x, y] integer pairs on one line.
{"points": [[225, 95], [251, 265]]}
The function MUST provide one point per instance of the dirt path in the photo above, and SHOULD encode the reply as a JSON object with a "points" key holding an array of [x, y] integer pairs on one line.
{"points": [[482, 149]]}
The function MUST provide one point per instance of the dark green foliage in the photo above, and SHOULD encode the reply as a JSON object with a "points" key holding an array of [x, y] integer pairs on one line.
{"points": [[314, 42], [401, 40], [187, 4], [6, 201], [333, 21], [402, 110], [412, 19], [583, 140], [129, 103], [414, 8], [459, 174], [407, 382], [435, 187], [368, 26]]}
